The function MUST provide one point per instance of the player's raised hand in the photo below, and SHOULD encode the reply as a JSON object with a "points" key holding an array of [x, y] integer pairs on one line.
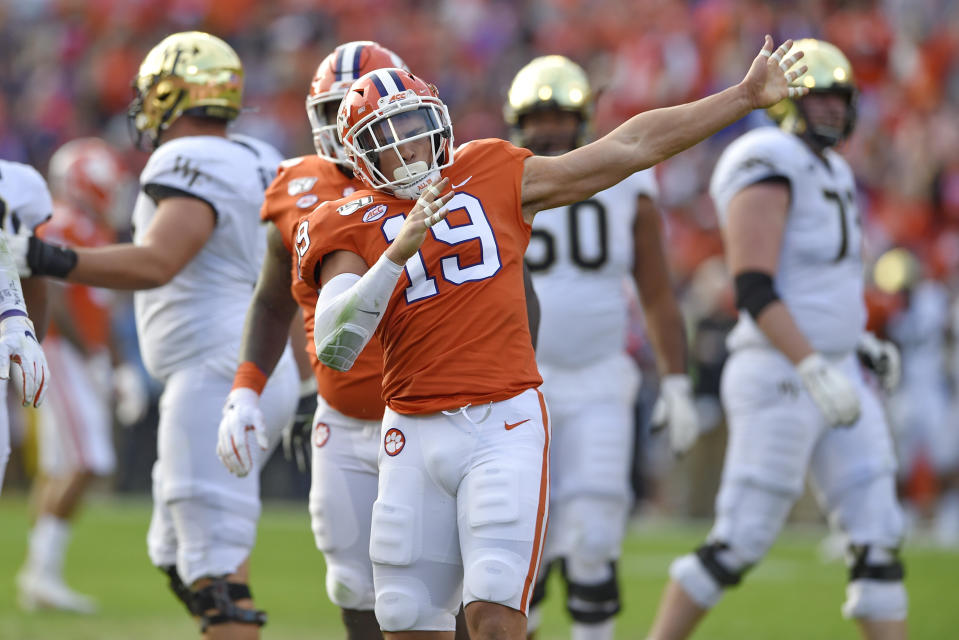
{"points": [[769, 77], [22, 359], [429, 209], [242, 428]]}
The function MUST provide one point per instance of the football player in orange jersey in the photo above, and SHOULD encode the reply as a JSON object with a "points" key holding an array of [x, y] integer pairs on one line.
{"points": [[75, 445], [460, 513], [339, 413]]}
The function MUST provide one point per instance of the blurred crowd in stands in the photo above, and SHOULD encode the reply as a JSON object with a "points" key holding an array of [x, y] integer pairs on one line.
{"points": [[66, 67]]}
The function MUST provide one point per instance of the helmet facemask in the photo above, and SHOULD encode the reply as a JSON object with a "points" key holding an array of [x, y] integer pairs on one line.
{"points": [[390, 132], [325, 139], [823, 134]]}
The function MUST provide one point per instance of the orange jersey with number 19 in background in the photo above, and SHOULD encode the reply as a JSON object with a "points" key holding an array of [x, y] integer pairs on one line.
{"points": [[300, 185], [455, 331]]}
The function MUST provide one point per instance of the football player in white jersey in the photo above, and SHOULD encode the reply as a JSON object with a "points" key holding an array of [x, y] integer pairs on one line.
{"points": [[74, 427], [794, 396], [25, 203], [585, 259], [194, 261]]}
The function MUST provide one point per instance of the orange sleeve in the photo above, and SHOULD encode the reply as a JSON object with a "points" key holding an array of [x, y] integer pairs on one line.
{"points": [[326, 232]]}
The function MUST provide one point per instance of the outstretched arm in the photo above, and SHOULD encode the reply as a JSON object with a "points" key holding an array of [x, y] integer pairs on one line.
{"points": [[178, 231], [651, 137]]}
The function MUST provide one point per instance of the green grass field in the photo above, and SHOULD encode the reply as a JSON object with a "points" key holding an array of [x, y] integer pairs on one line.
{"points": [[791, 596]]}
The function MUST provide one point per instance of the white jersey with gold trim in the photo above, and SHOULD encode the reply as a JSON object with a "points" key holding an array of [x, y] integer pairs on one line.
{"points": [[581, 259], [820, 272], [199, 314]]}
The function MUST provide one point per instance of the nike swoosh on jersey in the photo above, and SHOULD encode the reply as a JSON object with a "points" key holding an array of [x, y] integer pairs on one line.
{"points": [[372, 313], [457, 186], [515, 424]]}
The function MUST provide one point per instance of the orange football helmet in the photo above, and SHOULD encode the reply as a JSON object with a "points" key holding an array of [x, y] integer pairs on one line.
{"points": [[331, 81], [88, 173], [384, 110]]}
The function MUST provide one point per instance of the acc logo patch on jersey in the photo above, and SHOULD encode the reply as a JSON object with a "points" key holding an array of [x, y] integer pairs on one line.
{"points": [[301, 185], [350, 207], [394, 441], [307, 201], [374, 213], [321, 433]]}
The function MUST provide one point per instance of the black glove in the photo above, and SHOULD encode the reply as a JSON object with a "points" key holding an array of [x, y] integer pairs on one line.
{"points": [[297, 436]]}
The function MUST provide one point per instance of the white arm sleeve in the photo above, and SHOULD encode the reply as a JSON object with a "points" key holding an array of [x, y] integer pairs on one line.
{"points": [[11, 295], [348, 311]]}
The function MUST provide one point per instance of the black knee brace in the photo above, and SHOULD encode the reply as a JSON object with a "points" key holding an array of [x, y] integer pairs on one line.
{"points": [[221, 596], [593, 603], [861, 568], [708, 555], [180, 590]]}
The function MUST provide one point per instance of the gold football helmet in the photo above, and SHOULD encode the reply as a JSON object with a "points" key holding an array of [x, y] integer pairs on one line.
{"points": [[549, 82], [896, 270], [192, 73], [829, 71]]}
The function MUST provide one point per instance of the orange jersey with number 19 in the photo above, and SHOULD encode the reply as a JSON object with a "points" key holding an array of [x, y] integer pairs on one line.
{"points": [[455, 331], [300, 184]]}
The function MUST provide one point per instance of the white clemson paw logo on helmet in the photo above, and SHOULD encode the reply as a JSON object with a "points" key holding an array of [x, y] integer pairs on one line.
{"points": [[394, 442]]}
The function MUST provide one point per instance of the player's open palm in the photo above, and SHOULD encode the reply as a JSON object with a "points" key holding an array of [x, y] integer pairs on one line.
{"points": [[429, 209], [242, 430], [769, 77], [22, 360]]}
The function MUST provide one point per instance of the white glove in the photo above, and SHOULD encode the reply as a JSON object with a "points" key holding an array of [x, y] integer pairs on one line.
{"points": [[830, 389], [242, 421], [130, 394], [677, 409], [882, 358], [18, 345]]}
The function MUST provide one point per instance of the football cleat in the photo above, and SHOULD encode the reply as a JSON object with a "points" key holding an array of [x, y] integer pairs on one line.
{"points": [[36, 591]]}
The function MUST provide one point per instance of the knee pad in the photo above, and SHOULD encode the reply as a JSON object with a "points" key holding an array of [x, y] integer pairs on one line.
{"points": [[348, 589], [216, 604], [707, 572], [396, 610], [874, 600], [593, 603], [494, 575], [875, 590]]}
